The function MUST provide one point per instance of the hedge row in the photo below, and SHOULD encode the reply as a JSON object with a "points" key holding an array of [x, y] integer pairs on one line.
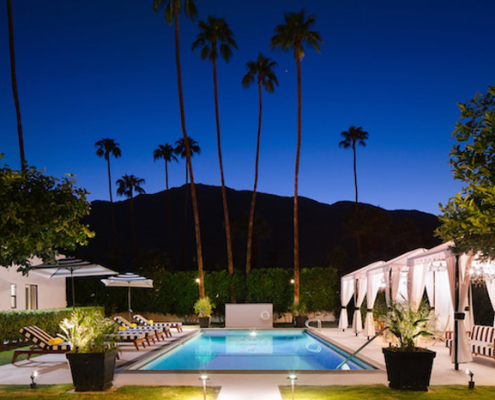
{"points": [[13, 320], [176, 292]]}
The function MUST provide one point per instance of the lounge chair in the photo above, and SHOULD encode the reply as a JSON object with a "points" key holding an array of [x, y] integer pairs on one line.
{"points": [[143, 321], [151, 333], [43, 343], [135, 337]]}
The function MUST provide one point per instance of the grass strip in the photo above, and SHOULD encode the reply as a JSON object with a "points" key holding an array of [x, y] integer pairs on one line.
{"points": [[50, 392], [450, 392]]}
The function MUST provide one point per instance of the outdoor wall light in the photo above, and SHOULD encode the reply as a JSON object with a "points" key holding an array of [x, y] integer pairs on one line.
{"points": [[204, 378], [33, 377], [292, 378], [471, 375]]}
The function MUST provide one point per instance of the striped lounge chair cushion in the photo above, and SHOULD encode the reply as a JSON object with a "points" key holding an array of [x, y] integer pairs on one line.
{"points": [[130, 335], [482, 348], [40, 338], [143, 321], [483, 333]]}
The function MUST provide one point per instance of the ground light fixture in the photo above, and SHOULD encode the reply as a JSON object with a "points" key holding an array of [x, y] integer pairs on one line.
{"points": [[292, 378], [204, 378], [471, 375], [33, 377]]}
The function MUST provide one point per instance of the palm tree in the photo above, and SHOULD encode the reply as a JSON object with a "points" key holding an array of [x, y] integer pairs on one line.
{"points": [[180, 148], [167, 153], [105, 148], [354, 136], [292, 35], [14, 84], [172, 8], [216, 35], [262, 70], [127, 185]]}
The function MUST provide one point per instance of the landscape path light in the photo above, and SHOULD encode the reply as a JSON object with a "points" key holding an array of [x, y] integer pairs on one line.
{"points": [[292, 378], [33, 377], [471, 375], [204, 378]]}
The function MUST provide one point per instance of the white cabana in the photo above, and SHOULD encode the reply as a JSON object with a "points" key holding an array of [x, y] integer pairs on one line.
{"points": [[359, 279], [346, 292]]}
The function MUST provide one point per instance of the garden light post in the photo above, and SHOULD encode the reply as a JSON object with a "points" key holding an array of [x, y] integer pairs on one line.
{"points": [[292, 378], [33, 377], [204, 378], [471, 382]]}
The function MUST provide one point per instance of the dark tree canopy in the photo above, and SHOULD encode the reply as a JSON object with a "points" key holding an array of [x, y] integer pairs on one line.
{"points": [[468, 219], [40, 214]]}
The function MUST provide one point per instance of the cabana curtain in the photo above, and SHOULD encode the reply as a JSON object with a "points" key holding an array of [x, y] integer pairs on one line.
{"points": [[374, 281], [347, 290], [461, 352], [416, 284], [490, 287], [357, 324]]}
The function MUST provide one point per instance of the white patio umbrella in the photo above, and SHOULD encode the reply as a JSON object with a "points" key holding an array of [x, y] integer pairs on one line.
{"points": [[128, 280], [71, 267]]}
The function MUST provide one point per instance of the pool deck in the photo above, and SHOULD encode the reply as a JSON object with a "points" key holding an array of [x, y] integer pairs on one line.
{"points": [[53, 369]]}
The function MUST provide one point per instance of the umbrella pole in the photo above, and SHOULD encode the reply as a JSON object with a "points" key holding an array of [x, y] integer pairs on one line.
{"points": [[129, 303], [73, 292]]}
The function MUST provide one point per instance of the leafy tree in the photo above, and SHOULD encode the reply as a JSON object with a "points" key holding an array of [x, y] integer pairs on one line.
{"points": [[293, 35], [106, 148], [14, 84], [172, 8], [167, 153], [469, 218], [39, 214], [216, 35], [262, 71], [180, 148], [127, 185]]}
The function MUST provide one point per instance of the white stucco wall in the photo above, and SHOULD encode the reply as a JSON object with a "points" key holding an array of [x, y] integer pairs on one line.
{"points": [[252, 315], [51, 292]]}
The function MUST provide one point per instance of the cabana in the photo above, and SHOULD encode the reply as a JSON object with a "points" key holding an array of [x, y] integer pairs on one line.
{"points": [[446, 279]]}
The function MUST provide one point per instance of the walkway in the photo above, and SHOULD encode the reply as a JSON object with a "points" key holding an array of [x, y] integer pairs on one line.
{"points": [[54, 369]]}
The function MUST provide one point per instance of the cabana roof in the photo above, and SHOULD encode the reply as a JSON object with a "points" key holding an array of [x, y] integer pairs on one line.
{"points": [[438, 253], [362, 271]]}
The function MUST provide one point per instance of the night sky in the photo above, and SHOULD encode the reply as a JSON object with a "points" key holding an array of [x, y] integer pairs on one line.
{"points": [[92, 69]]}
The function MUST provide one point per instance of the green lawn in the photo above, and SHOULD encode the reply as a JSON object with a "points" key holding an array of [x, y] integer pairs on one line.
{"points": [[125, 393], [454, 392]]}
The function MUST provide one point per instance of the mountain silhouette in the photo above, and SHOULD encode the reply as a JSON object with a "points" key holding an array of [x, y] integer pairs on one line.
{"points": [[326, 233]]}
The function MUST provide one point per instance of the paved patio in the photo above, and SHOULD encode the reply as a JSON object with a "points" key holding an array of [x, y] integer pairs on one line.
{"points": [[54, 369]]}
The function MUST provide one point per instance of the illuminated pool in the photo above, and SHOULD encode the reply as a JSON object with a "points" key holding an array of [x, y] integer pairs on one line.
{"points": [[248, 350]]}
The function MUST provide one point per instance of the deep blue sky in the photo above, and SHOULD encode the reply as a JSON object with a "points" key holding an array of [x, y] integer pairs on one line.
{"points": [[93, 69]]}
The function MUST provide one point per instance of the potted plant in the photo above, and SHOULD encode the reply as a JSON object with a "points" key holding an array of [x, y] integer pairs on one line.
{"points": [[300, 314], [203, 307], [93, 350], [408, 366]]}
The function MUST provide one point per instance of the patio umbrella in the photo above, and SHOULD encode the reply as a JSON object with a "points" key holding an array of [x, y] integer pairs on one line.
{"points": [[128, 280], [71, 267]]}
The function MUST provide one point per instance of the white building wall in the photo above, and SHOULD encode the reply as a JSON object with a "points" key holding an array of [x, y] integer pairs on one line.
{"points": [[51, 292]]}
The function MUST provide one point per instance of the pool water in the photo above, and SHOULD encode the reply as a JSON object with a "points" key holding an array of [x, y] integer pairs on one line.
{"points": [[259, 350]]}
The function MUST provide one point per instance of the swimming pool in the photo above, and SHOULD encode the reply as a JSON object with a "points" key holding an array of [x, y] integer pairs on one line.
{"points": [[248, 350]]}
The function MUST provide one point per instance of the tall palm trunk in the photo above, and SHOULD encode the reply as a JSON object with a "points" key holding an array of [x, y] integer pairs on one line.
{"points": [[133, 227], [253, 197], [356, 206], [296, 205], [186, 215], [199, 249], [112, 214], [169, 216], [224, 192], [14, 85]]}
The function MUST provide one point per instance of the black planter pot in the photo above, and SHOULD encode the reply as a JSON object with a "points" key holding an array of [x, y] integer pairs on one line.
{"points": [[300, 321], [204, 322], [92, 372], [409, 370]]}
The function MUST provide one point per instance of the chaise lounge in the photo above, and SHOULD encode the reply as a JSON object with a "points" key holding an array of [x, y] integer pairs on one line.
{"points": [[143, 321], [43, 343], [481, 341], [151, 333]]}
